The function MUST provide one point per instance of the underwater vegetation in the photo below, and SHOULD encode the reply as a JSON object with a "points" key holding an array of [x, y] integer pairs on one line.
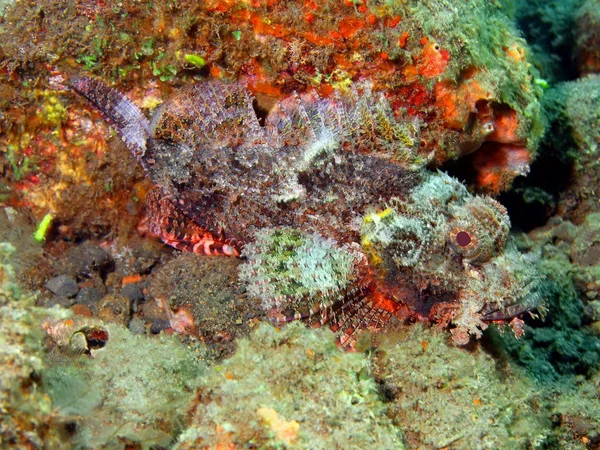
{"points": [[248, 400], [558, 346], [111, 402]]}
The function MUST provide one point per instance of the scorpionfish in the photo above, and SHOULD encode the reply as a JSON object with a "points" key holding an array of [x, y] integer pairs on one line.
{"points": [[328, 202]]}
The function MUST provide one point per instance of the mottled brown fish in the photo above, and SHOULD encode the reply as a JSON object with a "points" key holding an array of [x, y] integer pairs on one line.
{"points": [[298, 196]]}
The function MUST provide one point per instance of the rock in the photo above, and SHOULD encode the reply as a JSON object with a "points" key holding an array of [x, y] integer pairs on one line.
{"points": [[137, 326], [147, 255], [114, 308], [89, 296], [63, 286], [152, 311], [586, 247], [59, 300], [134, 292], [201, 295], [82, 310], [88, 259], [158, 325], [566, 231]]}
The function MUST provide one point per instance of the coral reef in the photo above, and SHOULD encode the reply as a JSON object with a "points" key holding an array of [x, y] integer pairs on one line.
{"points": [[421, 392], [21, 250], [577, 416], [297, 144], [48, 148], [443, 253], [27, 417], [289, 388]]}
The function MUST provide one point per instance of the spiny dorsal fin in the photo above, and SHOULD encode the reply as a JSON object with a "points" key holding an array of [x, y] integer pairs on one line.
{"points": [[120, 112]]}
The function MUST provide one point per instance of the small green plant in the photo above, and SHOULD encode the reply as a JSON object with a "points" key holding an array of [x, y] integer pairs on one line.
{"points": [[165, 72], [43, 227], [124, 71], [20, 164], [90, 60], [195, 60], [147, 49]]}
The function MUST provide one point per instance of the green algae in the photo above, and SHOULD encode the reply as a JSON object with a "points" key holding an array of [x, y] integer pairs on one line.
{"points": [[443, 396], [558, 347], [133, 390], [301, 375], [195, 60]]}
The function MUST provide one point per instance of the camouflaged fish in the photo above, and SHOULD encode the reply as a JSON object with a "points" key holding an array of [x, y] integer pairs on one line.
{"points": [[327, 202]]}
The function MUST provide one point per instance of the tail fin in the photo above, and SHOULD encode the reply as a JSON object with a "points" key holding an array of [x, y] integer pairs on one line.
{"points": [[120, 112]]}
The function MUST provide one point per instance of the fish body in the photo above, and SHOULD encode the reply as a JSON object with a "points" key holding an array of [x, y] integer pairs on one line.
{"points": [[328, 202]]}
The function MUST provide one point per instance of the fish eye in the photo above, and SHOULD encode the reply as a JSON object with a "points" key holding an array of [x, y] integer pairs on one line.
{"points": [[463, 238], [466, 242]]}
